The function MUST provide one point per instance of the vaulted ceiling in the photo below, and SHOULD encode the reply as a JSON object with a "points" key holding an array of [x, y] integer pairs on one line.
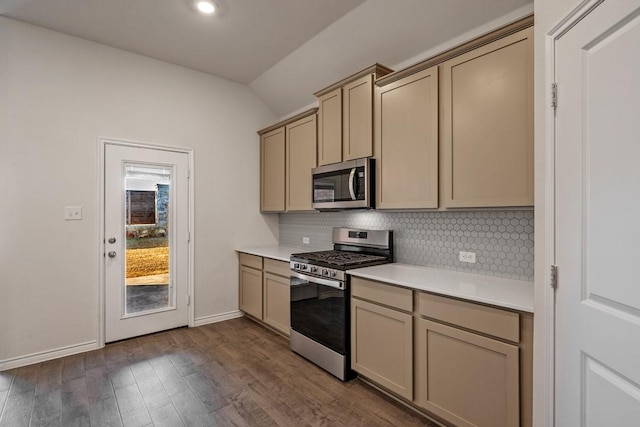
{"points": [[284, 49]]}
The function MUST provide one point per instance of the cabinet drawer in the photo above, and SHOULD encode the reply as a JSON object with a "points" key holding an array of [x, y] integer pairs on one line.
{"points": [[491, 321], [252, 261], [281, 268], [389, 295]]}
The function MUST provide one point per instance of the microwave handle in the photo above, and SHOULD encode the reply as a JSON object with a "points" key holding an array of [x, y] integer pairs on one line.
{"points": [[352, 189]]}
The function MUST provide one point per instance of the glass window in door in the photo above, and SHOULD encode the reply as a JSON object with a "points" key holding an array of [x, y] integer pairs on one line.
{"points": [[146, 210]]}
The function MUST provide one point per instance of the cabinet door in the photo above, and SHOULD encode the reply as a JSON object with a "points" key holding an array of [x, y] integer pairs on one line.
{"points": [[272, 171], [301, 158], [382, 346], [330, 127], [488, 125], [357, 122], [406, 142], [467, 379], [276, 302], [251, 291]]}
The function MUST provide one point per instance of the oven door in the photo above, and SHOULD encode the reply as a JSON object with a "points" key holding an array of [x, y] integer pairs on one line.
{"points": [[319, 310]]}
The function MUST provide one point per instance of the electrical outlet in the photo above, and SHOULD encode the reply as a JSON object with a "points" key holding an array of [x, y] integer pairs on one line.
{"points": [[72, 213], [305, 240], [468, 257]]}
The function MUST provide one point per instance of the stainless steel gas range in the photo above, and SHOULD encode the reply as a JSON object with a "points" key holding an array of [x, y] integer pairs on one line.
{"points": [[320, 293]]}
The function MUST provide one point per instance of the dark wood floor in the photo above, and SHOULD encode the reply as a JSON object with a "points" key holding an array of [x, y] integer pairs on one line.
{"points": [[229, 373]]}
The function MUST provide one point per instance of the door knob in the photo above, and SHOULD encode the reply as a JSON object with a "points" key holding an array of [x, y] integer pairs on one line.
{"points": [[112, 254], [112, 240]]}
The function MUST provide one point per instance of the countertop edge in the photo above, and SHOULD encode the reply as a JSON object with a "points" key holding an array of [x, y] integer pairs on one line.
{"points": [[496, 302], [282, 253]]}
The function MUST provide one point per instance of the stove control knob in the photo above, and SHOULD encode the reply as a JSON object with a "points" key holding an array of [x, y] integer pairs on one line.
{"points": [[296, 265], [325, 272], [313, 269], [333, 274], [303, 266]]}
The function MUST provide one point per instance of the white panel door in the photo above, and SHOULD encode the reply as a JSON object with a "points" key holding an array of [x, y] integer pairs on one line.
{"points": [[146, 210], [598, 219]]}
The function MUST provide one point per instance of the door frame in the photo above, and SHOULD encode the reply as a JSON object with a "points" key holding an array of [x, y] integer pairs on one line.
{"points": [[545, 297], [101, 147]]}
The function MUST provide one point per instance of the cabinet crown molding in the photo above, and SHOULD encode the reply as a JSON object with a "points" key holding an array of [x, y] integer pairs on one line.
{"points": [[288, 121], [377, 69], [458, 50]]}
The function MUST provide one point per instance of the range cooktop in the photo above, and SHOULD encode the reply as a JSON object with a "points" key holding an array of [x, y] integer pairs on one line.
{"points": [[341, 260]]}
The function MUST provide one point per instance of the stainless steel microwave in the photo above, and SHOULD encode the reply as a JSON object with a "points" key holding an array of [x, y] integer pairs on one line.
{"points": [[346, 185]]}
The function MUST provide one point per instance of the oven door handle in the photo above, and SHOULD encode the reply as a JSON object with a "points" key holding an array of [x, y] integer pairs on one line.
{"points": [[311, 279]]}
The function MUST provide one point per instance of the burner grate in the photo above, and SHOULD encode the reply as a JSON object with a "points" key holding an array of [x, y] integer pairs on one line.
{"points": [[341, 258]]}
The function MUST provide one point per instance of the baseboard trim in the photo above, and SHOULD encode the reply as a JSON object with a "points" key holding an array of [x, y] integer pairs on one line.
{"points": [[215, 318], [43, 356]]}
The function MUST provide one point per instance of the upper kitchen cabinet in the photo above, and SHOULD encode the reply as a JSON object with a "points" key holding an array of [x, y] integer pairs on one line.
{"points": [[330, 127], [406, 142], [287, 155], [345, 117], [272, 171], [487, 125], [301, 145], [357, 118]]}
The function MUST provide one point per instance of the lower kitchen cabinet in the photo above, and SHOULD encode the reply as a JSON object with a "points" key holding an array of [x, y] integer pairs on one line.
{"points": [[467, 379], [382, 346], [276, 307], [468, 362], [251, 291], [382, 334], [264, 291], [463, 363]]}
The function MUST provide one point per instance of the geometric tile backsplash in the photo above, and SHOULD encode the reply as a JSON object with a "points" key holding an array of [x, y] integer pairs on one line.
{"points": [[502, 240]]}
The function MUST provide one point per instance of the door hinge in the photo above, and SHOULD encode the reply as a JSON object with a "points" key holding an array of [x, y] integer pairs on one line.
{"points": [[188, 236], [554, 277], [189, 173], [188, 299], [554, 95]]}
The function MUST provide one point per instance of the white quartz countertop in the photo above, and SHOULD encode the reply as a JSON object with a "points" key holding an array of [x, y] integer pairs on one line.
{"points": [[281, 253], [498, 291]]}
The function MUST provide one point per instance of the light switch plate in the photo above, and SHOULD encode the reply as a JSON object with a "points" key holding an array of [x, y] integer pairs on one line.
{"points": [[468, 257], [72, 213]]}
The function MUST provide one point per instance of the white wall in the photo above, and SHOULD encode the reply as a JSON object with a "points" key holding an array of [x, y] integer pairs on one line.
{"points": [[548, 14], [58, 94]]}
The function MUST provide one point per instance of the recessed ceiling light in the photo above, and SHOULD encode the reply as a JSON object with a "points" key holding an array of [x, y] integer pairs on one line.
{"points": [[205, 7]]}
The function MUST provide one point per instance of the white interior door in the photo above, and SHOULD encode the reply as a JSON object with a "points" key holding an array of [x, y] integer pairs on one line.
{"points": [[598, 218], [146, 240]]}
